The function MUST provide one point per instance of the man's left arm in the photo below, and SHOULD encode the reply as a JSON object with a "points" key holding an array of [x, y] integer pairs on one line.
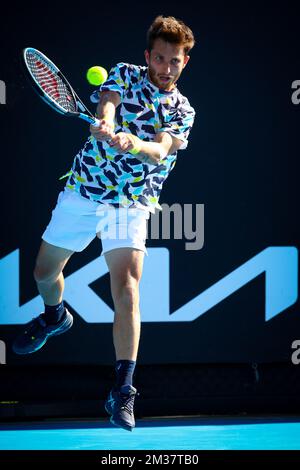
{"points": [[152, 152]]}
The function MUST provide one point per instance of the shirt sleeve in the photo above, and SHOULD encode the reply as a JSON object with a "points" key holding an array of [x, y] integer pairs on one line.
{"points": [[117, 80], [180, 123]]}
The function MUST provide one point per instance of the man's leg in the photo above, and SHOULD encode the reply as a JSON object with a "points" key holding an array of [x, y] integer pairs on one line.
{"points": [[125, 267], [50, 283], [48, 275]]}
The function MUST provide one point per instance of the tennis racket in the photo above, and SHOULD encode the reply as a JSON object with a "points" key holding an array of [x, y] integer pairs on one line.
{"points": [[53, 87]]}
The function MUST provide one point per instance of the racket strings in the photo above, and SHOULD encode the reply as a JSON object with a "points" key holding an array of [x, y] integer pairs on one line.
{"points": [[51, 83]]}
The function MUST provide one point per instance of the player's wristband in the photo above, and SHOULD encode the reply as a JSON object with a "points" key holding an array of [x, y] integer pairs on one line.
{"points": [[137, 148]]}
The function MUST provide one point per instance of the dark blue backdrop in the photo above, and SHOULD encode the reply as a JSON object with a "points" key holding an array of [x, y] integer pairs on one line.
{"points": [[241, 163]]}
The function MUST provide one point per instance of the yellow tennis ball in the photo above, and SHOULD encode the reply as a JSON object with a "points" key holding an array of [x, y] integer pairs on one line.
{"points": [[96, 75]]}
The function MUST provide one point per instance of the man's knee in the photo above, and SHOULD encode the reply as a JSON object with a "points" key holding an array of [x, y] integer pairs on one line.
{"points": [[42, 273], [126, 292], [50, 262]]}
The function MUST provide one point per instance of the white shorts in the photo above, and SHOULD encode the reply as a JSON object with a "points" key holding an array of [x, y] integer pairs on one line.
{"points": [[76, 221]]}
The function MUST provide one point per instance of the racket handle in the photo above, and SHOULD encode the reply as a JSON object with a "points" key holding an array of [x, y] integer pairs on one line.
{"points": [[96, 122]]}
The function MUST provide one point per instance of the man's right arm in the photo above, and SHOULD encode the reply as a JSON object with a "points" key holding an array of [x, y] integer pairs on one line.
{"points": [[106, 108], [106, 111]]}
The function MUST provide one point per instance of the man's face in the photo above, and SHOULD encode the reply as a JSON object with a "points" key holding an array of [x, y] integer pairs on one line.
{"points": [[165, 63]]}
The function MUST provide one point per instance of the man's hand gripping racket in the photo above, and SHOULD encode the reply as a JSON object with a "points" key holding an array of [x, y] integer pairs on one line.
{"points": [[122, 141]]}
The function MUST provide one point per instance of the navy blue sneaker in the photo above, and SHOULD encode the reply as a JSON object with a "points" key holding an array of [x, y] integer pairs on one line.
{"points": [[37, 332], [119, 405]]}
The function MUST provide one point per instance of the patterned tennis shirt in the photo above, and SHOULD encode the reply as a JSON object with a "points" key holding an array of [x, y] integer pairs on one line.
{"points": [[100, 173]]}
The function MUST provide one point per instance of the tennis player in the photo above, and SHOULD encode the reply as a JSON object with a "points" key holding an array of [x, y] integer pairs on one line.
{"points": [[114, 184]]}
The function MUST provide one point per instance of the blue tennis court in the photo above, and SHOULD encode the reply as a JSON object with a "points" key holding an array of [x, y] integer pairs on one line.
{"points": [[185, 433]]}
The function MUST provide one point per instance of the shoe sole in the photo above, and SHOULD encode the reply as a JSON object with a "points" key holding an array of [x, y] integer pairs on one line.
{"points": [[60, 331], [121, 425]]}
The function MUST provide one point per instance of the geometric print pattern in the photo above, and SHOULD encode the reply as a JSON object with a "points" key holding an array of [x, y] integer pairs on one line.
{"points": [[100, 173]]}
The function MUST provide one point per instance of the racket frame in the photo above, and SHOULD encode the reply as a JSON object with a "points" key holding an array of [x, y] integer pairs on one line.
{"points": [[84, 112]]}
